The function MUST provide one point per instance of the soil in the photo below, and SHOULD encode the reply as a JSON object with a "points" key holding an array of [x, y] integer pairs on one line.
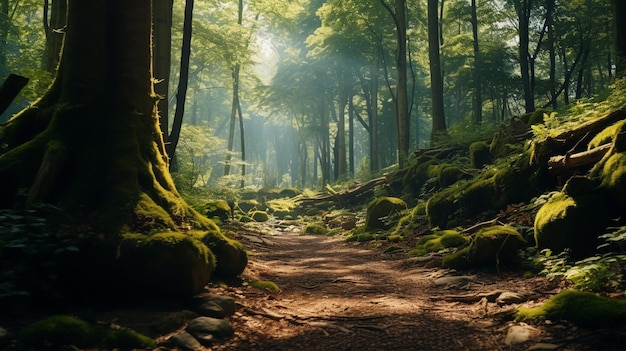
{"points": [[336, 295]]}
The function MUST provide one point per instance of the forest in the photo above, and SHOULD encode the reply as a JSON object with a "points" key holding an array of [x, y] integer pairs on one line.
{"points": [[312, 175]]}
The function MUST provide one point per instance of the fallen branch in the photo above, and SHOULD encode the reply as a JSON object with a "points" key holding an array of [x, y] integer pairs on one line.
{"points": [[561, 164], [344, 196]]}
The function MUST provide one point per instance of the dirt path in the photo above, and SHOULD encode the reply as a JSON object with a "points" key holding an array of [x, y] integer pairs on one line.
{"points": [[342, 296]]}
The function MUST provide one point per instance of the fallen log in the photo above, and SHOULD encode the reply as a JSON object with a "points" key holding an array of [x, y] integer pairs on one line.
{"points": [[566, 164], [12, 86], [344, 196]]}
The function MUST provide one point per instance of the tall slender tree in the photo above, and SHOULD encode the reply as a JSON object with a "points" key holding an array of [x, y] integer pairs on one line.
{"points": [[436, 78]]}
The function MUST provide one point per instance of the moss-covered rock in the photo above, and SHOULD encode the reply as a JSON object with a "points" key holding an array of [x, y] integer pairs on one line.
{"points": [[217, 208], [568, 223], [316, 229], [55, 332], [260, 216], [289, 192], [247, 205], [168, 263], [583, 308], [438, 241], [480, 154], [606, 136], [231, 257], [379, 211], [491, 246]]}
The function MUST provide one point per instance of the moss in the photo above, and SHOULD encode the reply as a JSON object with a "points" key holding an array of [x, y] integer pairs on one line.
{"points": [[265, 285], [231, 257], [246, 219], [613, 176], [290, 192], [217, 208], [361, 238], [260, 216], [440, 206], [394, 238], [438, 241], [582, 308], [457, 260], [496, 245], [564, 222], [379, 211], [57, 331], [535, 117], [480, 154], [493, 245], [167, 263], [606, 136], [247, 205], [315, 229]]}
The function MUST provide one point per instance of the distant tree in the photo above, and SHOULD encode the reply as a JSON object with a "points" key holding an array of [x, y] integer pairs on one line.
{"points": [[619, 18], [183, 82], [162, 11], [436, 78], [54, 17]]}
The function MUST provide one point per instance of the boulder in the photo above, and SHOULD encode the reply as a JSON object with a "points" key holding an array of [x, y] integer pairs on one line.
{"points": [[379, 211], [231, 257]]}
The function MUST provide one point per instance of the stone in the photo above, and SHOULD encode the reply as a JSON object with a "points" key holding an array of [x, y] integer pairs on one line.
{"points": [[185, 341], [507, 298], [208, 329], [216, 306]]}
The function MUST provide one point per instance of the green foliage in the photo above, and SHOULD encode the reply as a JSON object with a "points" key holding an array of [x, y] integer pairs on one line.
{"points": [[54, 332], [598, 273], [582, 308], [195, 156], [466, 132]]}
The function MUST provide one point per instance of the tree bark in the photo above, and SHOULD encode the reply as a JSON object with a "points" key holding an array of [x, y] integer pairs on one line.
{"points": [[436, 79], [162, 32], [183, 81], [478, 99], [54, 29]]}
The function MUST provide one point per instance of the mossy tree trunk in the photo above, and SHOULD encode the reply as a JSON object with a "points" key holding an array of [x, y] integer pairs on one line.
{"points": [[92, 145]]}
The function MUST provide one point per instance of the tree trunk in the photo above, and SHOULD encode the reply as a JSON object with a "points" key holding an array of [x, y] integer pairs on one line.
{"points": [[92, 147], [523, 8], [235, 102], [54, 29], [162, 33], [551, 51], [340, 145], [436, 79], [478, 99], [183, 81], [619, 18]]}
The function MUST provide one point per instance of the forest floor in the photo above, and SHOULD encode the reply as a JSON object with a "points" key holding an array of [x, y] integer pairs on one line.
{"points": [[336, 295]]}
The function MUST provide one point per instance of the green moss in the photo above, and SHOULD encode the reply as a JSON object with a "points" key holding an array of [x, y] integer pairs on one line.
{"points": [[217, 208], [57, 331], [380, 210], [362, 237], [457, 260], [438, 241], [394, 238], [168, 263], [496, 245], [246, 219], [231, 257], [442, 205], [480, 154], [247, 205], [606, 136], [582, 308], [265, 285], [564, 222], [260, 216], [315, 229]]}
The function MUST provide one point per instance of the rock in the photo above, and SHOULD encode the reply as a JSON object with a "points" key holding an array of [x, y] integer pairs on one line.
{"points": [[518, 334], [507, 298], [3, 333], [379, 210], [208, 329], [217, 208], [453, 280], [216, 306], [186, 341]]}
